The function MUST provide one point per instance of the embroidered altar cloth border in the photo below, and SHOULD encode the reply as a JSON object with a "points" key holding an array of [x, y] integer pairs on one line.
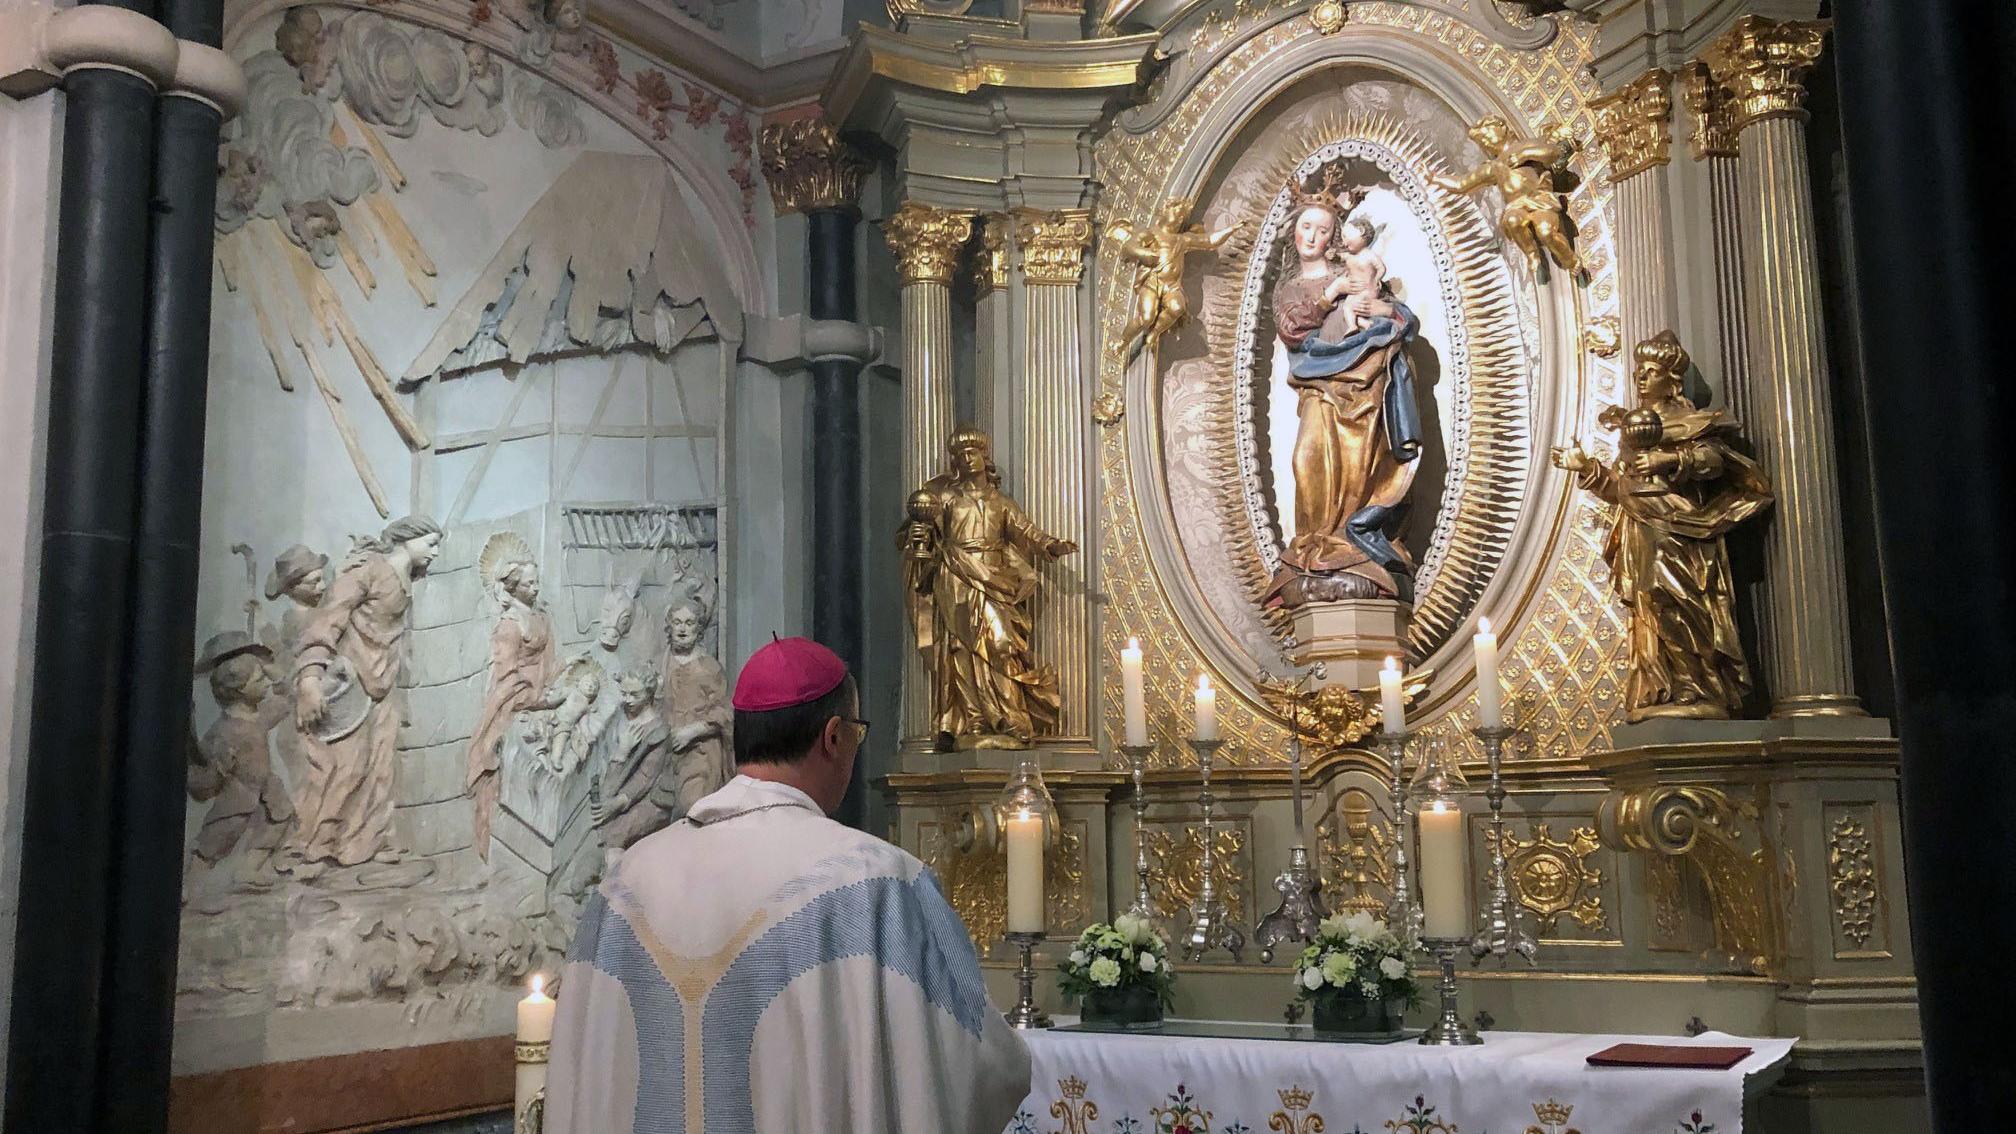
{"points": [[1531, 1082]]}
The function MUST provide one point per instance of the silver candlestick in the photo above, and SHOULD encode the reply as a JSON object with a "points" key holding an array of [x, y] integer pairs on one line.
{"points": [[1025, 1014], [1502, 928], [1403, 914], [1137, 762], [1301, 910], [1448, 1030], [1210, 926]]}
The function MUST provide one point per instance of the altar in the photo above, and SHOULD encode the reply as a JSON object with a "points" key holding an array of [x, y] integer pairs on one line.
{"points": [[1537, 1082]]}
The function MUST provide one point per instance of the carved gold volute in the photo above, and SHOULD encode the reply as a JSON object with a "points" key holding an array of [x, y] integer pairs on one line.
{"points": [[1053, 244], [926, 241], [1704, 828], [1712, 132], [1763, 63], [1634, 125], [809, 166]]}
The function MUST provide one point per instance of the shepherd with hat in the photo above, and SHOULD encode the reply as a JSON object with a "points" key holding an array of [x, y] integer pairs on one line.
{"points": [[816, 973], [231, 767]]}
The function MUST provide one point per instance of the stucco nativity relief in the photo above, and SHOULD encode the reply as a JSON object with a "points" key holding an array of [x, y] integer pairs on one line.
{"points": [[424, 737], [1207, 552]]}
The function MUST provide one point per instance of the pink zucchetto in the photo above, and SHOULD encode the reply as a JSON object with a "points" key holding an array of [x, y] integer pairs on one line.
{"points": [[787, 672]]}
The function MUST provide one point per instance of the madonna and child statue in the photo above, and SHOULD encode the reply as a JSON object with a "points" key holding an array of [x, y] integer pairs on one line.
{"points": [[1358, 436]]}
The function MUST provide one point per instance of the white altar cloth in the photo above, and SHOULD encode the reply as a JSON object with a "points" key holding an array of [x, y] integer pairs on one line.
{"points": [[1514, 1083]]}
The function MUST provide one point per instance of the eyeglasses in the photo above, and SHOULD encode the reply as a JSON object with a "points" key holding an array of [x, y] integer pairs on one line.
{"points": [[862, 723]]}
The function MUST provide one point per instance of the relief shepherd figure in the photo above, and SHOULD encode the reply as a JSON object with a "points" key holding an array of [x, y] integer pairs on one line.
{"points": [[1358, 441], [969, 559], [352, 656], [232, 767], [1678, 486]]}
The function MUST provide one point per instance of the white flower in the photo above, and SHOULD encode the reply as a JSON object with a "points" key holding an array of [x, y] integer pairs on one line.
{"points": [[1148, 962], [1362, 926], [1105, 972], [1078, 958], [1130, 927], [1339, 968], [1332, 926], [1393, 968], [1312, 979]]}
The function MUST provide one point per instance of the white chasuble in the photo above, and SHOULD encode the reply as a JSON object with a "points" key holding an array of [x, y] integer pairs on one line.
{"points": [[760, 967]]}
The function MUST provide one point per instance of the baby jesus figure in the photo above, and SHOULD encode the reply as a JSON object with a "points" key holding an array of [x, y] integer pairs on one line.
{"points": [[1364, 274]]}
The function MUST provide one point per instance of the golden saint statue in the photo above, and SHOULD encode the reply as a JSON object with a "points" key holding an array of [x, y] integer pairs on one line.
{"points": [[1158, 253], [969, 556], [1531, 174], [1678, 486]]}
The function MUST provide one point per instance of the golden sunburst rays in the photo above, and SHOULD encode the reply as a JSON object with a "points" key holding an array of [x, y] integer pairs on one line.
{"points": [[294, 303], [1490, 473]]}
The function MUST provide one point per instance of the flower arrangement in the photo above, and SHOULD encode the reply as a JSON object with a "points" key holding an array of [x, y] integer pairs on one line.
{"points": [[1354, 970], [1120, 972]]}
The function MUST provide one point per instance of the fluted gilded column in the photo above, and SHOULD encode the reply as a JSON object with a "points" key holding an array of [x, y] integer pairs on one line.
{"points": [[1055, 485], [993, 330], [926, 242], [1711, 138], [1762, 64], [1634, 125], [812, 171]]}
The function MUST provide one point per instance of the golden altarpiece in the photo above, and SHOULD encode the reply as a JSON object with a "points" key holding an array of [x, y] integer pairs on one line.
{"points": [[1580, 239]]}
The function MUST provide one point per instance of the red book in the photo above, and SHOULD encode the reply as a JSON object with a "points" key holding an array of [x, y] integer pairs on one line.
{"points": [[1669, 1055]]}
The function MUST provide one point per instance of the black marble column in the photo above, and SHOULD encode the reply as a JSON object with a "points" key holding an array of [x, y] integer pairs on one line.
{"points": [[837, 618], [56, 1059], [1928, 117]]}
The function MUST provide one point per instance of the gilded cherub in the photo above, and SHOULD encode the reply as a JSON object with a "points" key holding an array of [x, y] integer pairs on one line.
{"points": [[1532, 175], [1158, 252]]}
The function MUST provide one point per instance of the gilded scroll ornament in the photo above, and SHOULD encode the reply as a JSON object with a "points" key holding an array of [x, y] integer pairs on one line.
{"points": [[926, 241], [1603, 337], [1679, 486], [1357, 854], [1077, 1112], [1158, 251], [1713, 130], [1333, 717], [1851, 878], [1763, 63], [970, 557], [810, 167], [1634, 125], [976, 882], [1053, 244], [1295, 1117], [1532, 175], [1177, 871], [1701, 826], [991, 270], [1552, 877]]}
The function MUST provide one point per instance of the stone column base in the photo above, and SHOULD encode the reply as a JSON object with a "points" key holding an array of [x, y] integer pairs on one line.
{"points": [[1351, 637]]}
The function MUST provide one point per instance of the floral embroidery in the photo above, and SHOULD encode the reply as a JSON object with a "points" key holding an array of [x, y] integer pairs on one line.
{"points": [[1181, 1115], [1126, 1124], [1420, 1119], [1694, 1125], [1025, 1123]]}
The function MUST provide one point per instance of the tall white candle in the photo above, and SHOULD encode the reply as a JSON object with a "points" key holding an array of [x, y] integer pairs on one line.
{"points": [[1133, 694], [1207, 709], [1025, 872], [535, 1027], [1445, 888], [1490, 695], [1392, 706]]}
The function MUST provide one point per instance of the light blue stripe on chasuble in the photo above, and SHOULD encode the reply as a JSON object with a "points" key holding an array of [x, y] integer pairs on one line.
{"points": [[906, 925], [607, 941]]}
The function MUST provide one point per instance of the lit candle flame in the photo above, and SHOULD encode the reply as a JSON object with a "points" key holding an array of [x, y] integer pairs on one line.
{"points": [[1203, 683], [1483, 626], [538, 985], [1392, 664]]}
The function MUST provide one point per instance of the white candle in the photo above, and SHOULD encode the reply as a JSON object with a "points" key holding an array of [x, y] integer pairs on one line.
{"points": [[535, 1015], [535, 1026], [1490, 696], [1025, 873], [1392, 706], [1134, 694], [1445, 889], [1207, 710]]}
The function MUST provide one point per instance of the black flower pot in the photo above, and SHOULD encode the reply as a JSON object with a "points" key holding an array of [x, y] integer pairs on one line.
{"points": [[1350, 1013], [1133, 1006]]}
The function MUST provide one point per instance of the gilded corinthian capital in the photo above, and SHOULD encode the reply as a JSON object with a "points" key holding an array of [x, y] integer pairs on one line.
{"points": [[1634, 124], [926, 241], [990, 272], [1763, 63], [809, 167], [1713, 131], [1053, 244]]}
